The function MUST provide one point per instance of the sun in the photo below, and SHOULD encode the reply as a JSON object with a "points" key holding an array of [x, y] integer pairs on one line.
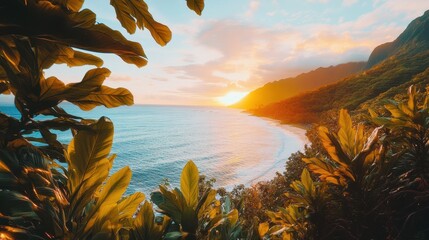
{"points": [[231, 98]]}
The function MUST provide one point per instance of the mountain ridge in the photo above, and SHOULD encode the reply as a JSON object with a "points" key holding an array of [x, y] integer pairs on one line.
{"points": [[400, 67], [278, 90], [417, 32]]}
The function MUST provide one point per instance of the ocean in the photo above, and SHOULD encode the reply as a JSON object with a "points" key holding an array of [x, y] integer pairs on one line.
{"points": [[226, 144]]}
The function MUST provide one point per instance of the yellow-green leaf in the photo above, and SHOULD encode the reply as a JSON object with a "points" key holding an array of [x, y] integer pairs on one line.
{"points": [[306, 180], [128, 206], [115, 186], [233, 216], [211, 195], [88, 163], [189, 184], [89, 147], [346, 133]]}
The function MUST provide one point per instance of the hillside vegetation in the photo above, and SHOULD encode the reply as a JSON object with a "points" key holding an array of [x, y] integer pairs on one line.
{"points": [[284, 88], [407, 65]]}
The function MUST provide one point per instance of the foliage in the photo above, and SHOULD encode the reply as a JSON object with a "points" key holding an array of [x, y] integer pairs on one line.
{"points": [[362, 182], [194, 212], [32, 199], [306, 205], [76, 199], [285, 88], [351, 153]]}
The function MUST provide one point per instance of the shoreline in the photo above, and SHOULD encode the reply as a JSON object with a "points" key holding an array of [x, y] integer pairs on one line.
{"points": [[297, 130]]}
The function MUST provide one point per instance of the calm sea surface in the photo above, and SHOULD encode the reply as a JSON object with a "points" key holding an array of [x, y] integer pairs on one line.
{"points": [[226, 144]]}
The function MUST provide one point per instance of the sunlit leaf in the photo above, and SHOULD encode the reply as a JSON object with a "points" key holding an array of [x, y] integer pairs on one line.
{"points": [[115, 186], [207, 201], [123, 13], [196, 5], [132, 12], [81, 59], [306, 180], [346, 134], [106, 96], [189, 183], [128, 206], [89, 147]]}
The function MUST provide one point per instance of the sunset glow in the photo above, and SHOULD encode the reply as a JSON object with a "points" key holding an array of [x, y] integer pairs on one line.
{"points": [[231, 98]]}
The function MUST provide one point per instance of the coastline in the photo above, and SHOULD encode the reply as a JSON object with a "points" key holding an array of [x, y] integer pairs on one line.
{"points": [[298, 131]]}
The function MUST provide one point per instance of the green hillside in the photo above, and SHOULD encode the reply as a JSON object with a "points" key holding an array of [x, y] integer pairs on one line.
{"points": [[416, 35], [278, 90], [406, 63]]}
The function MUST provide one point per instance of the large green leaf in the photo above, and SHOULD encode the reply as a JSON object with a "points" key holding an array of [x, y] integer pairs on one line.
{"points": [[88, 163], [89, 147], [104, 215], [45, 21], [189, 184]]}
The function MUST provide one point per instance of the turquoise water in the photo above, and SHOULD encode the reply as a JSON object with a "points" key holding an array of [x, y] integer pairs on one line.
{"points": [[226, 144]]}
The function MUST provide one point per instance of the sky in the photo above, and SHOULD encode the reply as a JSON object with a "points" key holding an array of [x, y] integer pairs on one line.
{"points": [[239, 45]]}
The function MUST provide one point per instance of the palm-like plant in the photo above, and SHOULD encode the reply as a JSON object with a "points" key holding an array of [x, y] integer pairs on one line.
{"points": [[288, 223], [351, 154], [146, 225], [97, 209], [409, 125], [306, 209], [190, 211], [49, 200], [83, 203], [407, 186]]}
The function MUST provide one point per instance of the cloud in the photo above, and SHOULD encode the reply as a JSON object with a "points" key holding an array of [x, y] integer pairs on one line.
{"points": [[250, 55], [349, 2], [161, 79], [253, 7], [240, 54]]}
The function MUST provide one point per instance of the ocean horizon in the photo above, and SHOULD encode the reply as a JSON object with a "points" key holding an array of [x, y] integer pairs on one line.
{"points": [[156, 141]]}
